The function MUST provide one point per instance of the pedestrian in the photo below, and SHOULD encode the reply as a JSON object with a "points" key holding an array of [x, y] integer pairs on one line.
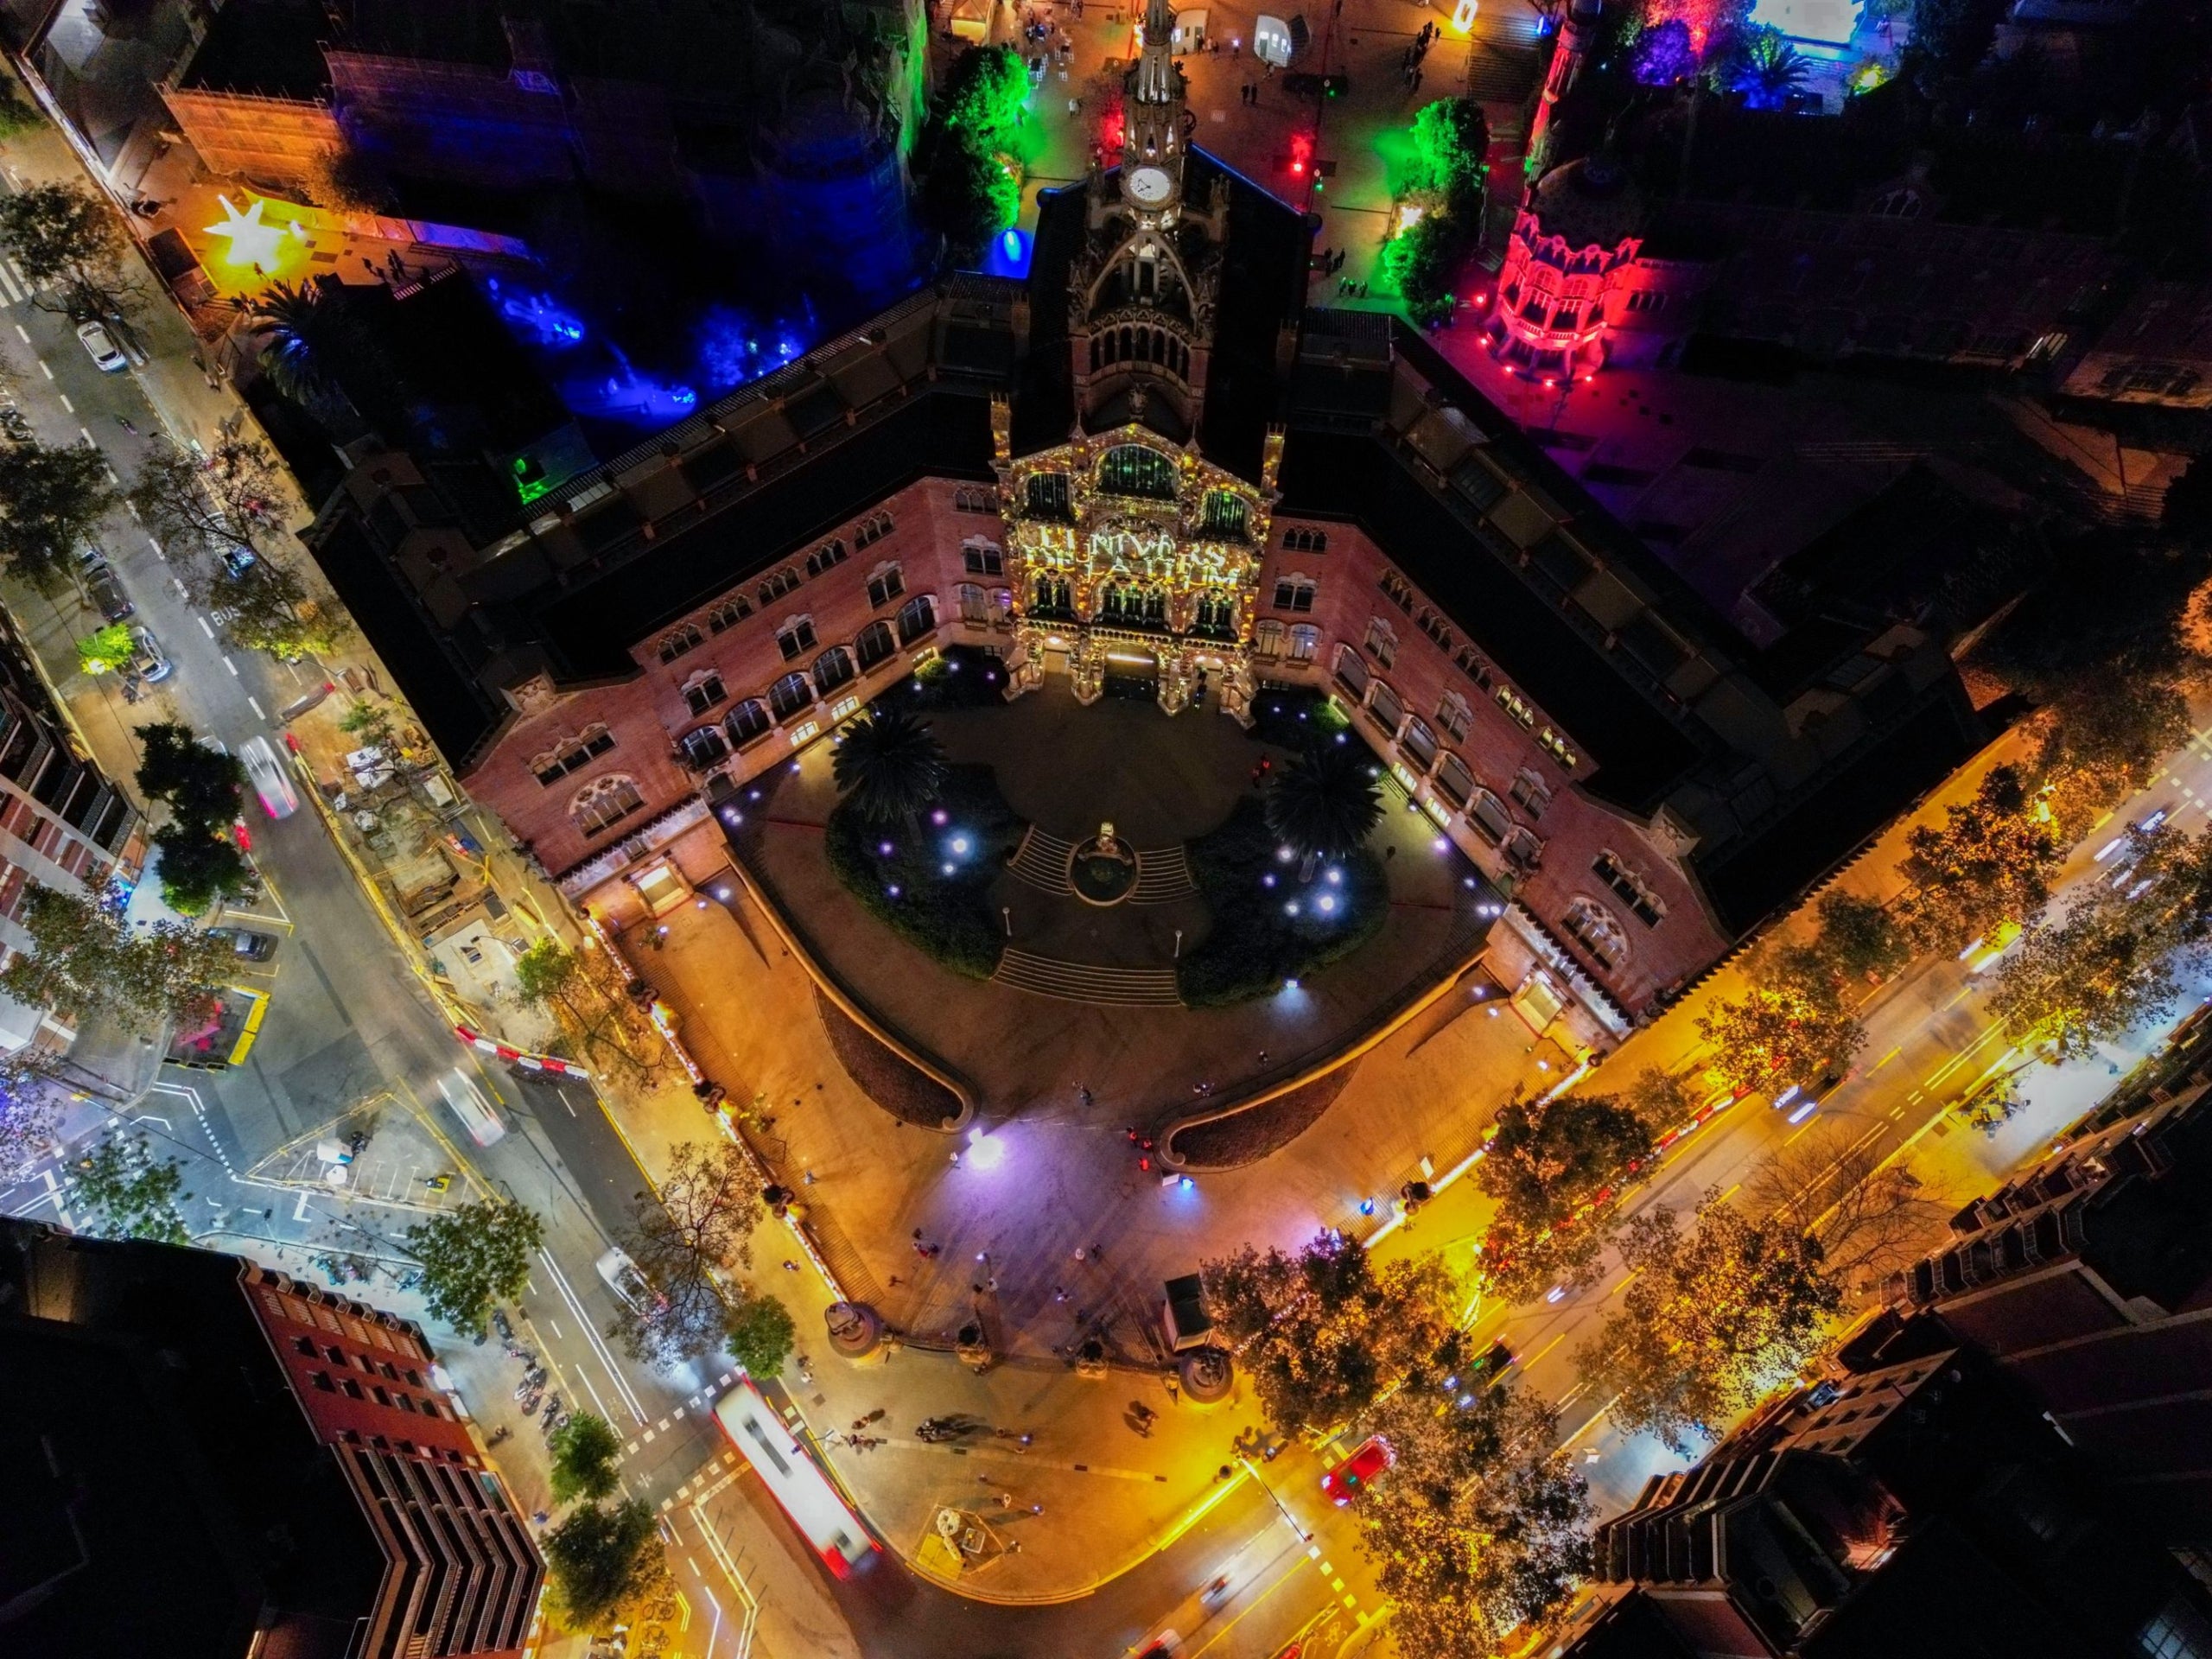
{"points": [[1036, 1509], [1074, 104], [789, 1266], [1083, 1095], [1079, 1255], [1098, 1252], [991, 1285], [1389, 852], [808, 1178], [1059, 1293], [1263, 1057], [896, 1281]]}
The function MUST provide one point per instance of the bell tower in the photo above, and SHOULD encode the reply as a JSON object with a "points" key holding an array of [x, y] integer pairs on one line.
{"points": [[1153, 101]]}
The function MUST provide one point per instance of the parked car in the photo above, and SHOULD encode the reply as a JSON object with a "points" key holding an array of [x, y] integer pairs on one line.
{"points": [[150, 665], [100, 346], [251, 945], [624, 1278], [267, 772], [102, 588], [1347, 1479]]}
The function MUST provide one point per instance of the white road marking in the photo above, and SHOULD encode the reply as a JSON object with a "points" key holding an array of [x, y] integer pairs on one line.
{"points": [[554, 1328], [255, 707], [24, 335], [71, 408], [43, 370], [232, 666], [14, 293], [204, 626], [156, 546], [81, 432]]}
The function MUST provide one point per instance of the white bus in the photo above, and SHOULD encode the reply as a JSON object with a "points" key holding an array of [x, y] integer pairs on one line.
{"points": [[802, 1489], [469, 1105]]}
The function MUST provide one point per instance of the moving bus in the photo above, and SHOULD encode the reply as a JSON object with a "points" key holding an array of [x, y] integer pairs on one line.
{"points": [[802, 1489], [469, 1105]]}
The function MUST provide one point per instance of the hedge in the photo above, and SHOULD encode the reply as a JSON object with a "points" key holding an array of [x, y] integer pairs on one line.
{"points": [[1255, 943], [949, 917]]}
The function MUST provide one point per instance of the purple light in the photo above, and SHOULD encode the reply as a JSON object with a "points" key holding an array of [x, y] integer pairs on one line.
{"points": [[883, 849]]}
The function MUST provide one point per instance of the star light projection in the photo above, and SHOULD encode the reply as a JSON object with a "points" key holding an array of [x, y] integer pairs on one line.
{"points": [[254, 242]]}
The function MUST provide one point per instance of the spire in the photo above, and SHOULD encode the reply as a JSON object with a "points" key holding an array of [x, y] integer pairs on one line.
{"points": [[1156, 68]]}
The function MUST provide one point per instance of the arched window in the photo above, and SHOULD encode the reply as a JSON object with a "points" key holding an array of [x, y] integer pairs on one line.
{"points": [[826, 557], [1401, 591], [1592, 925], [600, 806], [703, 690], [1454, 716], [1223, 516], [1136, 469], [1418, 741], [1053, 597], [784, 581], [974, 604], [704, 747], [981, 559], [796, 638], [884, 584], [1267, 640], [728, 613], [1216, 615], [1488, 814], [1382, 641], [1045, 496], [1453, 779], [790, 694], [917, 619], [874, 528], [1433, 626], [875, 644], [673, 645], [1382, 703], [747, 721], [1531, 792], [1352, 672], [969, 499], [1305, 643], [832, 669], [1628, 881], [1306, 541], [1295, 594]]}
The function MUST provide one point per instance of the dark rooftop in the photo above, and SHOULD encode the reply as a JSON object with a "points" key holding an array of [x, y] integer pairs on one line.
{"points": [[271, 49]]}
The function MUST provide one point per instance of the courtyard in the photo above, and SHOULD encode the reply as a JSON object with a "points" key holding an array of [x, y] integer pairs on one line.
{"points": [[1080, 1021]]}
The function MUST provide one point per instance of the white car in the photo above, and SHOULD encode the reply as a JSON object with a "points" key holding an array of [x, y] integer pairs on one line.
{"points": [[469, 1105], [624, 1278], [277, 798], [100, 346]]}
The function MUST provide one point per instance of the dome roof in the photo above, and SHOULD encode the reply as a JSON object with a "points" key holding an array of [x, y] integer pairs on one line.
{"points": [[1590, 202]]}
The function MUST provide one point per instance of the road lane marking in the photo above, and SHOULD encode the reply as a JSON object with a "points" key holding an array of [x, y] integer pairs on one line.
{"points": [[206, 627], [43, 370], [232, 666], [1886, 1059], [254, 705], [81, 432], [22, 334], [71, 408], [555, 1329], [150, 542]]}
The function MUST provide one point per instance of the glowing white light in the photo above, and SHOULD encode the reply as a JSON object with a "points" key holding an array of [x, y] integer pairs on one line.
{"points": [[947, 868], [1291, 909], [252, 242], [1335, 878], [1441, 844], [984, 1151], [937, 817], [883, 848], [1328, 902], [960, 844], [1283, 854]]}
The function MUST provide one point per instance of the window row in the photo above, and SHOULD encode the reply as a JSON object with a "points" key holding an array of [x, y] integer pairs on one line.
{"points": [[1626, 881], [573, 754], [1273, 642], [1303, 540], [1150, 346], [975, 497]]}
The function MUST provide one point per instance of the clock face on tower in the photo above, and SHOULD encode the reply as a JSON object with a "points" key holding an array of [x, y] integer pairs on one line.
{"points": [[1149, 186]]}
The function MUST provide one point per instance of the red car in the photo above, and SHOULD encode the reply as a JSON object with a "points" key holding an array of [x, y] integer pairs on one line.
{"points": [[1369, 1458]]}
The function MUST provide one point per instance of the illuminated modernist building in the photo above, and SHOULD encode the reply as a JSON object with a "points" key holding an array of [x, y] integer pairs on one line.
{"points": [[1148, 461]]}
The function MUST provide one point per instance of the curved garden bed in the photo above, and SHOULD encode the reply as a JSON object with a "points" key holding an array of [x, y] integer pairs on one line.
{"points": [[902, 1088], [1247, 1136], [1267, 926], [930, 882]]}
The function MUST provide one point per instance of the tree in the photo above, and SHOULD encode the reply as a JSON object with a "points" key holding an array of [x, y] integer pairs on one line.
{"points": [[698, 1228], [985, 92], [1870, 1217], [1709, 1323], [29, 1113], [1482, 1527], [968, 198], [1452, 152], [1554, 1168], [2105, 737], [2108, 967], [110, 651], [589, 997], [1324, 803], [1990, 863], [269, 608], [602, 1561], [350, 180], [310, 343], [83, 958], [199, 868], [51, 500], [197, 782], [889, 766], [1771, 70], [584, 1451], [1421, 260], [1323, 1333], [472, 1257], [1779, 1035], [225, 508], [1660, 1098], [1994, 1102], [761, 1333], [64, 234], [120, 1190], [1858, 942]]}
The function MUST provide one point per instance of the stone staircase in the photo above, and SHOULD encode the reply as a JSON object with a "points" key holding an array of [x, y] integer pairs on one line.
{"points": [[1163, 874], [1042, 859], [1084, 981]]}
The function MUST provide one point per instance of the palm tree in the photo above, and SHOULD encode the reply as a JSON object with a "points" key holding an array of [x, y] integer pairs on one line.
{"points": [[1773, 70], [1324, 803], [890, 766], [307, 339]]}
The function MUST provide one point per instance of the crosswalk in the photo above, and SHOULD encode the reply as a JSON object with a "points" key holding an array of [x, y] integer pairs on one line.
{"points": [[14, 287]]}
